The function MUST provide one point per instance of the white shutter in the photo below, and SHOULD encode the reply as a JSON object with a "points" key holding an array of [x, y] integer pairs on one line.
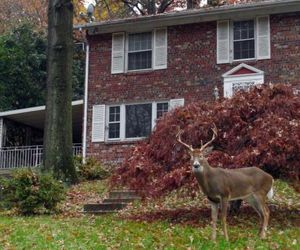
{"points": [[117, 53], [263, 37], [98, 123], [223, 41], [175, 103], [160, 49]]}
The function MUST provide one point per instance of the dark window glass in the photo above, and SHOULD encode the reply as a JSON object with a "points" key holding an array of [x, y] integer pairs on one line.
{"points": [[161, 109], [114, 130], [114, 122], [138, 120], [243, 40], [140, 51], [140, 60], [114, 114]]}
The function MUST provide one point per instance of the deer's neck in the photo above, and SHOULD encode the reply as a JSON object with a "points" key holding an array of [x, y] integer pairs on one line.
{"points": [[202, 176]]}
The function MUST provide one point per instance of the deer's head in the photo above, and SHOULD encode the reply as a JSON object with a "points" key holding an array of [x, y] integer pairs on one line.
{"points": [[198, 155]]}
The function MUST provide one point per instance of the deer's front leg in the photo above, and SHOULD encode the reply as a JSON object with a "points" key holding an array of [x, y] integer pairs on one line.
{"points": [[214, 218], [224, 205]]}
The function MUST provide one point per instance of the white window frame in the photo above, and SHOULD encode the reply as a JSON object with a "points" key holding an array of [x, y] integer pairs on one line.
{"points": [[231, 42], [123, 120], [109, 122], [127, 51]]}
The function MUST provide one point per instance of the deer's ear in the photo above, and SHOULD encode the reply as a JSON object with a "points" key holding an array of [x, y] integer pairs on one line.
{"points": [[208, 150]]}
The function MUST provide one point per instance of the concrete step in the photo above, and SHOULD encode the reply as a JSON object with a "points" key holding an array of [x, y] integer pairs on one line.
{"points": [[100, 212], [123, 194], [96, 207], [121, 200]]}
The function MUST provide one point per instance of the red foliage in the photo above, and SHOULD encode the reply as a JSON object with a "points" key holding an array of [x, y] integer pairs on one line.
{"points": [[258, 128]]}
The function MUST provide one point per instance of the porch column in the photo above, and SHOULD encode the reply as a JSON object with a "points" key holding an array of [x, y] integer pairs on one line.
{"points": [[1, 131]]}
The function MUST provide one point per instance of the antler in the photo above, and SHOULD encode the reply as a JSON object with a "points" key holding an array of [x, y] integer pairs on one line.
{"points": [[215, 133], [178, 136]]}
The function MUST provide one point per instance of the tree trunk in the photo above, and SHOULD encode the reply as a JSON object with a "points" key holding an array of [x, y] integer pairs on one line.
{"points": [[58, 157]]}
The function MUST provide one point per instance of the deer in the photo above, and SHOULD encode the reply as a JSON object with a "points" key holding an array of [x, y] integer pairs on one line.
{"points": [[220, 186]]}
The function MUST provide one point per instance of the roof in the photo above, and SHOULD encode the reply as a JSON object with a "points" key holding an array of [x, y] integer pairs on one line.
{"points": [[35, 116], [192, 16]]}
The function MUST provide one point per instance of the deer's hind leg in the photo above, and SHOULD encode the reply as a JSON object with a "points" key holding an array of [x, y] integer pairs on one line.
{"points": [[258, 202], [224, 206]]}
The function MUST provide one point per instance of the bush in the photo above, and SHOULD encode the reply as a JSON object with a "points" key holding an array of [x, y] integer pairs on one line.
{"points": [[32, 193], [91, 169], [256, 128]]}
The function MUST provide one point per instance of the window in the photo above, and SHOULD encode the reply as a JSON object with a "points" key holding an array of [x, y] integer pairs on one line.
{"points": [[130, 121], [161, 109], [114, 122], [138, 120], [140, 51], [243, 40]]}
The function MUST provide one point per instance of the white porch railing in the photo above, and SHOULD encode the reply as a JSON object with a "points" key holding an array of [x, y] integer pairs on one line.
{"points": [[26, 156]]}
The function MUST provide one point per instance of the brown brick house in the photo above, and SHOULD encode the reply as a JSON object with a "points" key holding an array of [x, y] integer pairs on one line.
{"points": [[139, 68]]}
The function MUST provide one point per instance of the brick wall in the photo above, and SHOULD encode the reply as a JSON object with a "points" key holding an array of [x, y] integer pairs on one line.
{"points": [[192, 72]]}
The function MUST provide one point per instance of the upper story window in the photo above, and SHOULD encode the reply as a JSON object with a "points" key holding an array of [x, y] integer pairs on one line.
{"points": [[243, 40], [139, 51]]}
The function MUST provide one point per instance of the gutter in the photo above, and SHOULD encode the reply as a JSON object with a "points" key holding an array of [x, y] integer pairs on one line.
{"points": [[86, 81], [192, 16]]}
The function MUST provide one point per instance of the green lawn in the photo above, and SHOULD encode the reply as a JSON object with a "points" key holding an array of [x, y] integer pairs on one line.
{"points": [[171, 223]]}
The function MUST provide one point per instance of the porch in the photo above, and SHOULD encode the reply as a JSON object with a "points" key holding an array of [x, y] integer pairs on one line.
{"points": [[21, 135], [27, 156]]}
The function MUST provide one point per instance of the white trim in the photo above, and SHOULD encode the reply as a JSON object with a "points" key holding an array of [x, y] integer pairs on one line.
{"points": [[33, 109], [240, 66], [86, 82], [123, 119], [127, 52], [192, 16], [255, 78]]}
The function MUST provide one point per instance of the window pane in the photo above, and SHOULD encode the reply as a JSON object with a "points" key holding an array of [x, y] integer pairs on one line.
{"points": [[140, 41], [138, 120], [161, 109], [140, 60], [244, 49], [114, 114], [243, 30], [114, 130]]}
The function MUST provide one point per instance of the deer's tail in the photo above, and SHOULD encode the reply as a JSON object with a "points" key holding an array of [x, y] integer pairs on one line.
{"points": [[270, 194]]}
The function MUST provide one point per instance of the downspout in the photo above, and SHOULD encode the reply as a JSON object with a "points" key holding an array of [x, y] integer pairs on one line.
{"points": [[86, 81]]}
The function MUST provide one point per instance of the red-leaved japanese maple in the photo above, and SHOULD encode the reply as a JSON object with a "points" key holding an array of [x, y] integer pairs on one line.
{"points": [[256, 128]]}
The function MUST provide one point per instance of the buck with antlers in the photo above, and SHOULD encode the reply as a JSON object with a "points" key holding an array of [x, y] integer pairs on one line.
{"points": [[223, 185]]}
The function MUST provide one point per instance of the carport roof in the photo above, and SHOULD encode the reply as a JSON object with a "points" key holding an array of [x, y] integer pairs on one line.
{"points": [[35, 116]]}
